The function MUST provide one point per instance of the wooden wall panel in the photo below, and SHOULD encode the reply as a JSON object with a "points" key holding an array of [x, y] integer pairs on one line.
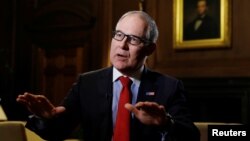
{"points": [[59, 70], [63, 59], [233, 61]]}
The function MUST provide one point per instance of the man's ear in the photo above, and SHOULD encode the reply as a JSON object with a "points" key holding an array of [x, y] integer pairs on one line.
{"points": [[150, 49]]}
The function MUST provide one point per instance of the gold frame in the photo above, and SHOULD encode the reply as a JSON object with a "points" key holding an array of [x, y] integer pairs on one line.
{"points": [[225, 30]]}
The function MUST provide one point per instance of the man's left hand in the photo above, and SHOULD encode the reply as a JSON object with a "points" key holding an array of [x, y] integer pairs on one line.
{"points": [[149, 113]]}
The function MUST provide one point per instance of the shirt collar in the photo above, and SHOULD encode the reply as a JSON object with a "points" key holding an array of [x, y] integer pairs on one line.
{"points": [[136, 77]]}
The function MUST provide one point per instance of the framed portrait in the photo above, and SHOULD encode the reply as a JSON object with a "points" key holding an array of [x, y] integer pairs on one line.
{"points": [[201, 24]]}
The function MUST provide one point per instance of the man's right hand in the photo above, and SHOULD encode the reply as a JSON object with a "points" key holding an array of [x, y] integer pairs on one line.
{"points": [[39, 105]]}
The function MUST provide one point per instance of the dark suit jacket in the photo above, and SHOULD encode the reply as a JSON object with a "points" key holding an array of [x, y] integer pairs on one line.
{"points": [[208, 29], [89, 103]]}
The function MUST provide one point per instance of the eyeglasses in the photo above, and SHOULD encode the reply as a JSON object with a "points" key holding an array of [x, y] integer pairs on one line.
{"points": [[132, 39]]}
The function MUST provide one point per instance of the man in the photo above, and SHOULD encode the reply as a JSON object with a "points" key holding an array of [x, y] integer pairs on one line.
{"points": [[203, 26], [99, 100]]}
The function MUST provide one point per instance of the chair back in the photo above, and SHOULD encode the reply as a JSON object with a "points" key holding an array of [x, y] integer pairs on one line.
{"points": [[12, 131]]}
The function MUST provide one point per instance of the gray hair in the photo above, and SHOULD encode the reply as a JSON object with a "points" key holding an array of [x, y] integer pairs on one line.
{"points": [[152, 29]]}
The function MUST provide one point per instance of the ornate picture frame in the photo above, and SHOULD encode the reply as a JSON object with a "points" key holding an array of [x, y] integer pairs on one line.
{"points": [[210, 30]]}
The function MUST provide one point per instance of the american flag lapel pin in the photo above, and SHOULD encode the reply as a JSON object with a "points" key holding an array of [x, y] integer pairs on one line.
{"points": [[150, 93]]}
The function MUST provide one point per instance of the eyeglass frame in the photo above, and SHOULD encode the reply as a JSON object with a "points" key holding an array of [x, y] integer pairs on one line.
{"points": [[129, 37]]}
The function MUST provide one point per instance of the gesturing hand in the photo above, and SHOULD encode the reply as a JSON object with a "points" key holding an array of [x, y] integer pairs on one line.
{"points": [[149, 113], [39, 105]]}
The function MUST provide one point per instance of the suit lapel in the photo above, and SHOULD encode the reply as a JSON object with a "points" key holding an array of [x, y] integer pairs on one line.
{"points": [[147, 92], [105, 90], [147, 89], [105, 84]]}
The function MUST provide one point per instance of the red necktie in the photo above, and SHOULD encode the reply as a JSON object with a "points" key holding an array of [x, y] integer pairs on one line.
{"points": [[122, 126]]}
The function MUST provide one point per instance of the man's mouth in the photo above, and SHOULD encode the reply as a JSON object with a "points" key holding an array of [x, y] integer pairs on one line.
{"points": [[122, 56]]}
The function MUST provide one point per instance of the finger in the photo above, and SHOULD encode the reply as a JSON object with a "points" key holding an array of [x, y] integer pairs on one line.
{"points": [[151, 104], [58, 110], [152, 108], [25, 94], [139, 105], [30, 98], [129, 107], [146, 105], [132, 108], [20, 97], [22, 101], [34, 104], [45, 102], [162, 108]]}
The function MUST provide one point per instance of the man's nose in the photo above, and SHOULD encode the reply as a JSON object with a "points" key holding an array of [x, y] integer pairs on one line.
{"points": [[124, 43]]}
